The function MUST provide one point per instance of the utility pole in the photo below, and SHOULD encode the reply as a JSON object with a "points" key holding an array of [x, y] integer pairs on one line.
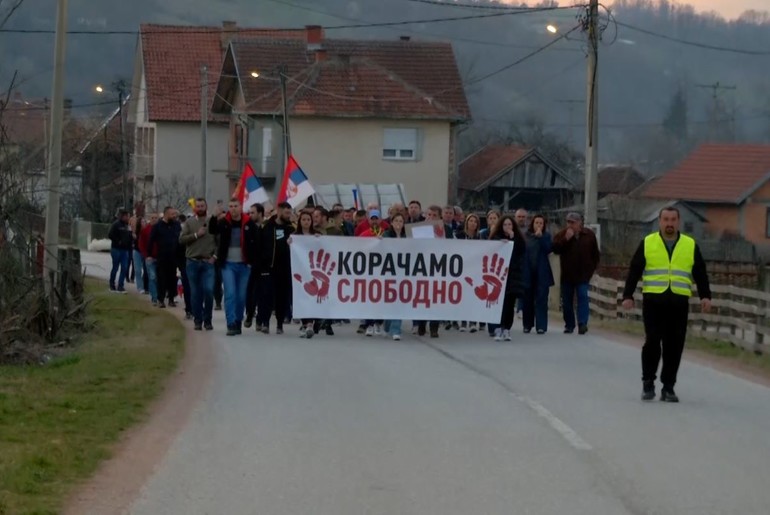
{"points": [[286, 134], [204, 128], [592, 128], [121, 87], [713, 122], [51, 259], [571, 110]]}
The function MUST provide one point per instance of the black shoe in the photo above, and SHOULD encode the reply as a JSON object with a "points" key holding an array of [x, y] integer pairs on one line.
{"points": [[434, 334], [567, 330], [448, 327], [279, 330], [248, 322], [648, 390], [238, 327], [582, 329], [172, 304], [329, 330], [198, 326], [258, 327], [420, 331], [316, 327], [668, 395], [265, 329], [361, 329], [232, 331], [161, 305], [207, 326], [188, 316], [527, 330]]}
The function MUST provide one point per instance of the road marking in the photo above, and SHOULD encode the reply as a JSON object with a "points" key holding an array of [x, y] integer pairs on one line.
{"points": [[555, 422]]}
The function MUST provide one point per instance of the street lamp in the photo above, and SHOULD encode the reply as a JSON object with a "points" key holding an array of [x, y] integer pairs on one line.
{"points": [[99, 89], [255, 74], [120, 87], [553, 29]]}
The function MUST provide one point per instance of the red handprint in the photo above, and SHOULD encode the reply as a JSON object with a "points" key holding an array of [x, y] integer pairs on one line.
{"points": [[320, 270], [493, 277]]}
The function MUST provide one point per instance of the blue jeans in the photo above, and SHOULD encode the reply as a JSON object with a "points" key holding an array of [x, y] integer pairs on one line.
{"points": [[394, 327], [568, 293], [235, 282], [200, 276], [139, 270], [119, 259], [152, 279]]}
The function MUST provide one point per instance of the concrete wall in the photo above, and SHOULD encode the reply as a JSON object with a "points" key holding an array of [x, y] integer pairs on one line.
{"points": [[178, 153], [350, 151]]}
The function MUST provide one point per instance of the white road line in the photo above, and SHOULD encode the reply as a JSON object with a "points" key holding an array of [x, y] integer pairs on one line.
{"points": [[555, 422]]}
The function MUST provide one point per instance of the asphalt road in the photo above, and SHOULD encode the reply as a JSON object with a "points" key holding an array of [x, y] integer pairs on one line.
{"points": [[551, 424]]}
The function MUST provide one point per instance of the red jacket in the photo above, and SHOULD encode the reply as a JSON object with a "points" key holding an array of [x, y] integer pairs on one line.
{"points": [[364, 226], [144, 240]]}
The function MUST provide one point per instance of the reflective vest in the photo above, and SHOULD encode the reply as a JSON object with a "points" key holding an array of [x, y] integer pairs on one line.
{"points": [[660, 272]]}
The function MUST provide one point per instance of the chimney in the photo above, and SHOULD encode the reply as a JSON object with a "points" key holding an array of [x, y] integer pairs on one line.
{"points": [[229, 29], [315, 35], [320, 55], [405, 38]]}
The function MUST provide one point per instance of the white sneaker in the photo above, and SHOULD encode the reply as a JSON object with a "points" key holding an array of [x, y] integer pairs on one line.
{"points": [[498, 334], [506, 335], [473, 328], [369, 331], [377, 330], [309, 333], [397, 337], [462, 329]]}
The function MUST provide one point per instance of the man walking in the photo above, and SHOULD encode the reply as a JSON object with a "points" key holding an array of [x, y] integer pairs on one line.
{"points": [[122, 240], [149, 264], [668, 262], [237, 239], [164, 239], [276, 269], [200, 252], [578, 251], [257, 217]]}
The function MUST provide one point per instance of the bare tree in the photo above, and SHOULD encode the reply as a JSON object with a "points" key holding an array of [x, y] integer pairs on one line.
{"points": [[174, 191], [7, 9]]}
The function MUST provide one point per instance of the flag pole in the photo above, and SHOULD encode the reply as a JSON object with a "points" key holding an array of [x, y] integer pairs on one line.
{"points": [[286, 134]]}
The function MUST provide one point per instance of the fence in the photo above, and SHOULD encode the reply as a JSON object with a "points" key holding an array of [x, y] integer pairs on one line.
{"points": [[738, 315]]}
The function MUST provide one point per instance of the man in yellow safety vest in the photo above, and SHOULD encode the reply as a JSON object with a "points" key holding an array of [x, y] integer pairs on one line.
{"points": [[668, 262]]}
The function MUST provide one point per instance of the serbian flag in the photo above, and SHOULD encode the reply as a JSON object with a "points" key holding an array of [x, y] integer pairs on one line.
{"points": [[295, 187], [250, 190]]}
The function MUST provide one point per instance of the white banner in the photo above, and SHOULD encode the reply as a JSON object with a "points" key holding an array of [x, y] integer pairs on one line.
{"points": [[399, 279]]}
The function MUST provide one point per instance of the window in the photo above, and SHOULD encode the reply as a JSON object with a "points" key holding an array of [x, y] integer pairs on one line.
{"points": [[400, 144], [767, 223], [144, 151]]}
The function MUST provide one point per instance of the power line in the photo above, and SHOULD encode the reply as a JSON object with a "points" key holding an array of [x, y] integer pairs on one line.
{"points": [[331, 27], [483, 6], [696, 44]]}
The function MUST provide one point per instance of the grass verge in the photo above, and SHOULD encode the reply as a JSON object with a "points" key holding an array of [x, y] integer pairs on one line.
{"points": [[59, 421], [723, 351]]}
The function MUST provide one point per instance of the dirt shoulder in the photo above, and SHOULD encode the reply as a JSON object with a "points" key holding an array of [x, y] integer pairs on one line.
{"points": [[119, 480]]}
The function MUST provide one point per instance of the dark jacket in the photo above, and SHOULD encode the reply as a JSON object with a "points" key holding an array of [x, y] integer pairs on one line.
{"points": [[121, 236], [274, 248], [391, 233], [460, 235], [638, 262], [579, 256], [164, 238], [250, 236], [514, 284], [536, 262]]}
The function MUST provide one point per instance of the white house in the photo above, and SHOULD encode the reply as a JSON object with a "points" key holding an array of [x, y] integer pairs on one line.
{"points": [[360, 111], [165, 107]]}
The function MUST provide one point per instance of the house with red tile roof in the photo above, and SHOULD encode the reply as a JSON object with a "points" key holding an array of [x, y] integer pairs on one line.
{"points": [[360, 111], [729, 183], [165, 106], [511, 177]]}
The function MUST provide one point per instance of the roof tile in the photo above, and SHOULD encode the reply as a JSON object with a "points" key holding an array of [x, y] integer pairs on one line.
{"points": [[482, 166], [720, 173]]}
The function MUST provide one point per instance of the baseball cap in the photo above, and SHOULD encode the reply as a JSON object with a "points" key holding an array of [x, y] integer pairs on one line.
{"points": [[374, 213]]}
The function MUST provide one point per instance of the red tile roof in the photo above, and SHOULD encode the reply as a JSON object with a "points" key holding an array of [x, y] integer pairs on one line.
{"points": [[392, 79], [172, 57], [483, 166], [720, 173]]}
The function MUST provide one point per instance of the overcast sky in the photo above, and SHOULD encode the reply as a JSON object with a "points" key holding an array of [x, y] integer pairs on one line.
{"points": [[730, 8]]}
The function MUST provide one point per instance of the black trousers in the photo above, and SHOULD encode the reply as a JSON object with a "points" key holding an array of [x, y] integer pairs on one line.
{"points": [[275, 295], [665, 328], [509, 311], [253, 294], [432, 325], [166, 279]]}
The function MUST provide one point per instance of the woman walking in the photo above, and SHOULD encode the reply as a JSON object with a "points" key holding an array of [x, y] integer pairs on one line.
{"points": [[538, 276], [493, 216], [396, 230], [305, 227], [471, 231], [507, 230]]}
